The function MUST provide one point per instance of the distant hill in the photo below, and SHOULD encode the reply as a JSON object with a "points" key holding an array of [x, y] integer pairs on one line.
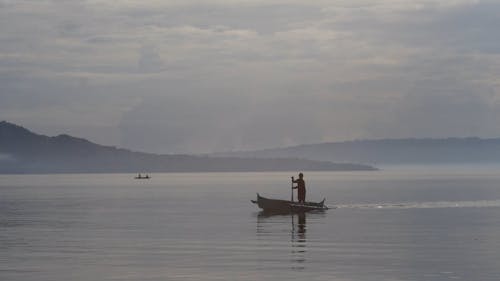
{"points": [[391, 151], [22, 151]]}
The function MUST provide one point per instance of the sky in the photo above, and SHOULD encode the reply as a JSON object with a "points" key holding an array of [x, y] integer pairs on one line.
{"points": [[204, 76]]}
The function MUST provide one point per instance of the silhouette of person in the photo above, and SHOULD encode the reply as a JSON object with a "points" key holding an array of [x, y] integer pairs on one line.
{"points": [[301, 188]]}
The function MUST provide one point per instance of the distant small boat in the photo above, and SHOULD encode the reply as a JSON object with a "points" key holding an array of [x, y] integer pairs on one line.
{"points": [[277, 205], [139, 177]]}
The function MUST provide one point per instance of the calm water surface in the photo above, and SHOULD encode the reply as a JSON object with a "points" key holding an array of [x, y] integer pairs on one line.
{"points": [[396, 224]]}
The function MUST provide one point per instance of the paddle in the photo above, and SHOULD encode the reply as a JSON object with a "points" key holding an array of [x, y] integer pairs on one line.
{"points": [[291, 213]]}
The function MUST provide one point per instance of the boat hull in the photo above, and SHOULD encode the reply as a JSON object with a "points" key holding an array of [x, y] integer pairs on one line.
{"points": [[277, 205]]}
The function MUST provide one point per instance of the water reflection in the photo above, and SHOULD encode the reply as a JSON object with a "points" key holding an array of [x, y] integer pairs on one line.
{"points": [[299, 245], [270, 225]]}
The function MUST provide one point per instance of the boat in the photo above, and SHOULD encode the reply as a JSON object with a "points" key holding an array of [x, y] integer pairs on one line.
{"points": [[277, 205], [139, 177]]}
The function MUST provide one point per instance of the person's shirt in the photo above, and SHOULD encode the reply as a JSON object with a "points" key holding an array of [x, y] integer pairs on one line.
{"points": [[300, 183]]}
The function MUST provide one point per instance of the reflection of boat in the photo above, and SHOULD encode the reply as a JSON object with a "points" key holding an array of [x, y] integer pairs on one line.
{"points": [[284, 206], [271, 224], [139, 177]]}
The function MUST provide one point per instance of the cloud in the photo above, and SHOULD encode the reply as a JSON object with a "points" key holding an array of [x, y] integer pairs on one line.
{"points": [[199, 76], [150, 60], [6, 158]]}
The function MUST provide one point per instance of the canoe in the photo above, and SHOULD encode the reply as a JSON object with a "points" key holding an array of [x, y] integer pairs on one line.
{"points": [[277, 205]]}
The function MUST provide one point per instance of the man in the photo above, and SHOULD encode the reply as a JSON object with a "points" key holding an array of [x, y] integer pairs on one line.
{"points": [[301, 188]]}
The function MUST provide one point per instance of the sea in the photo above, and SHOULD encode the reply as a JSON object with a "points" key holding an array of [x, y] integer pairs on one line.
{"points": [[399, 223]]}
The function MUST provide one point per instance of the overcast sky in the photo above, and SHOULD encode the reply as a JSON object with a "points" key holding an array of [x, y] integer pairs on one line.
{"points": [[203, 76]]}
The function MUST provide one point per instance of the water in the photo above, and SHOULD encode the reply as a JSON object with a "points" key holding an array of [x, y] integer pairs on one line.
{"points": [[395, 224]]}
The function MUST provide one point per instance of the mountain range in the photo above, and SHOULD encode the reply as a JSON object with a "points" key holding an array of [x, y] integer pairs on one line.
{"points": [[22, 151], [470, 150]]}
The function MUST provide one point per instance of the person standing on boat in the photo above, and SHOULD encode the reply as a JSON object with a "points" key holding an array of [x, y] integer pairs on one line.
{"points": [[301, 188]]}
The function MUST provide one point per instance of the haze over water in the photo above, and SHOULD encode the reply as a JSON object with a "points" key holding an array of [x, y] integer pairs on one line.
{"points": [[394, 224]]}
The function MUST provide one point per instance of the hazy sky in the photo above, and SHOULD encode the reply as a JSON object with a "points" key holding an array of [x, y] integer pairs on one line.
{"points": [[202, 76]]}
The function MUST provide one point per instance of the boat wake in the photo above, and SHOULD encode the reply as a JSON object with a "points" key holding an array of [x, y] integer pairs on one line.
{"points": [[424, 205]]}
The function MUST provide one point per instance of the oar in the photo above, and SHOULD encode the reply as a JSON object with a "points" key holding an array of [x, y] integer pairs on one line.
{"points": [[291, 213]]}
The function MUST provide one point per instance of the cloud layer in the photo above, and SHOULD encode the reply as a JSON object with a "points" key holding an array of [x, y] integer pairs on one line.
{"points": [[201, 76]]}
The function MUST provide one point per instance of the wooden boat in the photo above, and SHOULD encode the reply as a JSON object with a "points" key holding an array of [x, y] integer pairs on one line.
{"points": [[276, 205], [142, 177]]}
